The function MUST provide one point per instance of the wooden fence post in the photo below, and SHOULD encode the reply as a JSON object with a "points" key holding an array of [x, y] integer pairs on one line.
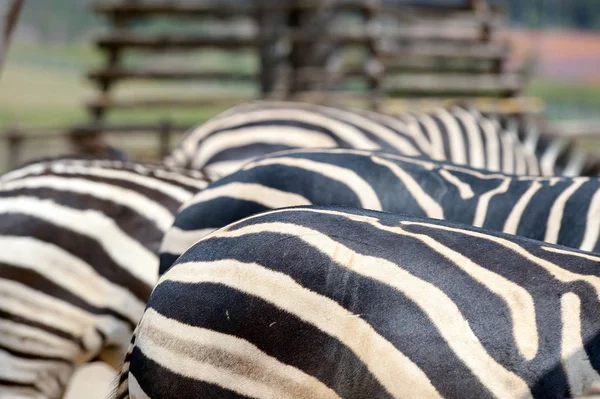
{"points": [[164, 132], [8, 23], [15, 140]]}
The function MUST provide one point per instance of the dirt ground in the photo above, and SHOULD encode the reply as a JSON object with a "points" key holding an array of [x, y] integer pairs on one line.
{"points": [[92, 381], [563, 54]]}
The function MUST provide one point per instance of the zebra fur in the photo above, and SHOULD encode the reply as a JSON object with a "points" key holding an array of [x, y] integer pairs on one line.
{"points": [[223, 144], [315, 302], [559, 153], [79, 242], [563, 210]]}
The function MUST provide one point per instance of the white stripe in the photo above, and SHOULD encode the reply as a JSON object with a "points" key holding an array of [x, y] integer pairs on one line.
{"points": [[381, 131], [85, 168], [135, 390], [403, 129], [492, 145], [484, 201], [476, 151], [36, 168], [70, 273], [464, 189], [126, 251], [458, 151], [570, 253], [514, 218], [575, 165], [556, 271], [253, 192], [44, 309], [216, 170], [548, 159], [178, 193], [396, 372], [414, 130], [363, 190], [290, 136], [439, 308], [44, 374], [517, 299], [34, 305], [437, 143], [554, 222], [521, 165], [198, 182], [592, 226], [508, 153], [426, 203], [580, 373], [177, 241], [299, 112], [36, 341], [142, 205], [266, 378]]}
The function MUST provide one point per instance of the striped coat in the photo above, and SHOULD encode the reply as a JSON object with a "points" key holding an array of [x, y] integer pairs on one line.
{"points": [[550, 149], [342, 303], [79, 240], [224, 143], [561, 210]]}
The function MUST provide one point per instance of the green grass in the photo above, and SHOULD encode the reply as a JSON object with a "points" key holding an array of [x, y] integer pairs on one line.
{"points": [[45, 86], [567, 100]]}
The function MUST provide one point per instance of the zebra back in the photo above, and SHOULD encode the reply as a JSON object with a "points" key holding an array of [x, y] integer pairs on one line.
{"points": [[562, 210], [314, 302], [556, 153], [224, 143], [79, 240]]}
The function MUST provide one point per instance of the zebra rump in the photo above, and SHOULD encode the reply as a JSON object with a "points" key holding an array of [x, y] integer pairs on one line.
{"points": [[223, 144], [561, 210], [315, 302], [79, 242]]}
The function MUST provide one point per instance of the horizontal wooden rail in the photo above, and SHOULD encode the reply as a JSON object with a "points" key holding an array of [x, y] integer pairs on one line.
{"points": [[233, 8], [116, 73], [453, 85], [104, 102], [430, 42]]}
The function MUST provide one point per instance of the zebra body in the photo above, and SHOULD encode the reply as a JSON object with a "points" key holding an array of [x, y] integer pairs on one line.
{"points": [[223, 144], [314, 302], [561, 210], [79, 242]]}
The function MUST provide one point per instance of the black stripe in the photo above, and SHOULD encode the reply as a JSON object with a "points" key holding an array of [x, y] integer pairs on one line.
{"points": [[246, 152], [160, 382], [38, 282], [35, 356], [127, 219], [80, 246], [31, 323], [272, 330]]}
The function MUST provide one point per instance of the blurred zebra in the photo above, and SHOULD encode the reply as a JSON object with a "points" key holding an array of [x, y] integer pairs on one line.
{"points": [[314, 302], [563, 210], [79, 242], [550, 149], [464, 137]]}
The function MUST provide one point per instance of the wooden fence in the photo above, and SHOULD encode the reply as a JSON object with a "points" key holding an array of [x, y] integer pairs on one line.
{"points": [[163, 134]]}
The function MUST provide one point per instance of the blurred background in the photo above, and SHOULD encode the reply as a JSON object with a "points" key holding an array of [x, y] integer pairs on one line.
{"points": [[146, 70], [143, 71]]}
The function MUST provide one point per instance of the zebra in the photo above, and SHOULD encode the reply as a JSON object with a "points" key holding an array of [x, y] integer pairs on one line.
{"points": [[464, 137], [79, 241], [550, 149], [563, 210], [329, 302]]}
